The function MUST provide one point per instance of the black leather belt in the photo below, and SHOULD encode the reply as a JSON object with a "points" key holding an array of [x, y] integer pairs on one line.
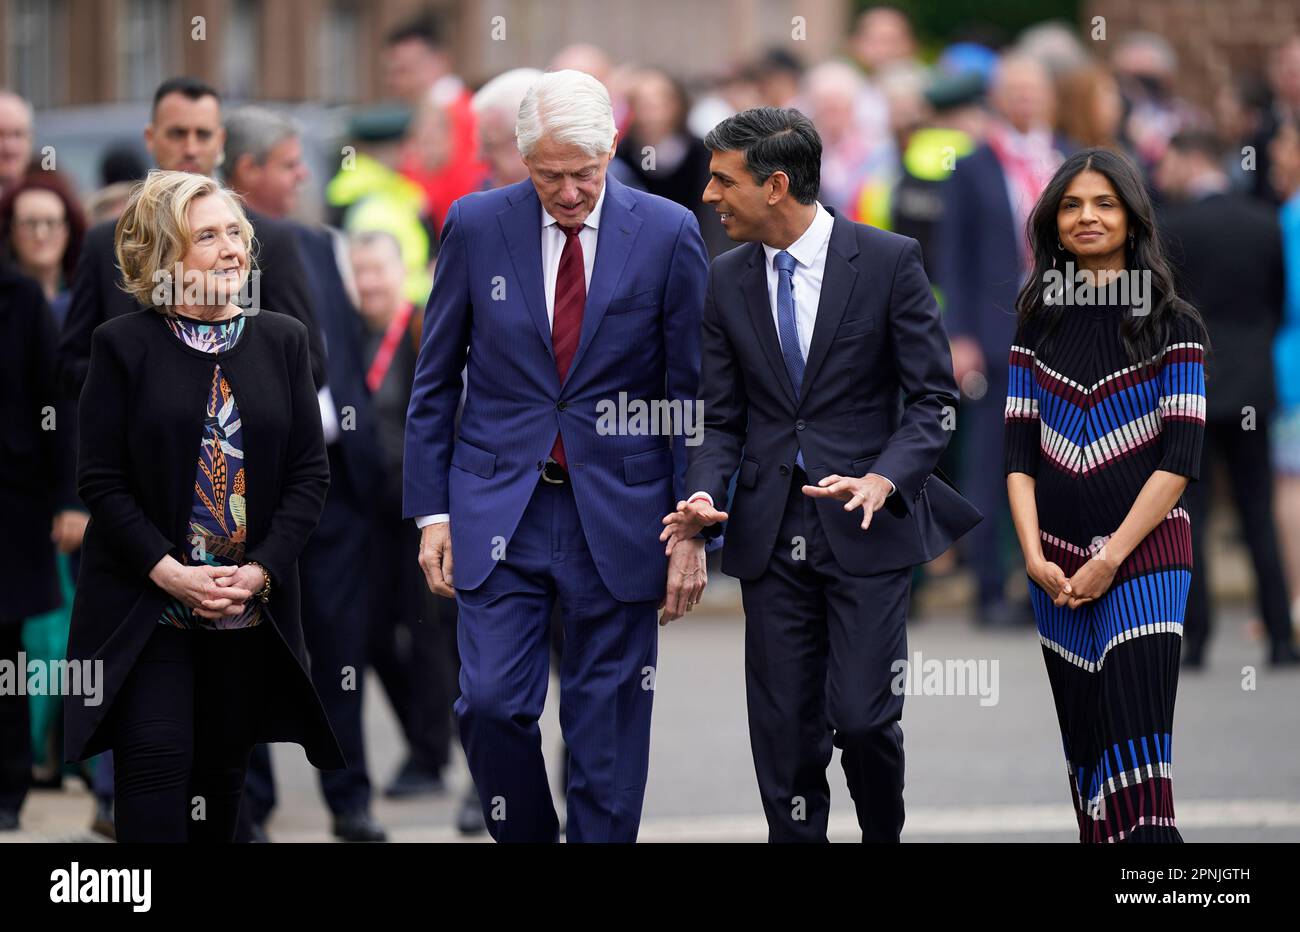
{"points": [[554, 474]]}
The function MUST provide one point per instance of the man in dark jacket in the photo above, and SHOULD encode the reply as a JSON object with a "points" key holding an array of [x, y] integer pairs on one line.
{"points": [[264, 164], [1227, 251]]}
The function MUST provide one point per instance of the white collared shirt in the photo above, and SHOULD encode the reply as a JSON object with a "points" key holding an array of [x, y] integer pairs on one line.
{"points": [[553, 239], [553, 248], [809, 252]]}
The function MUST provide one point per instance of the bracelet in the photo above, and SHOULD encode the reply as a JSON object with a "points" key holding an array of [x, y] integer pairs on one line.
{"points": [[264, 593]]}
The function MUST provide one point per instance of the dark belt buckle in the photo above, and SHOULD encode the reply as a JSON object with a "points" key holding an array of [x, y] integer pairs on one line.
{"points": [[553, 473]]}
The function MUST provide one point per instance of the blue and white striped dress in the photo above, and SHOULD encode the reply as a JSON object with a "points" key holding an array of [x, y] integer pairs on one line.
{"points": [[1091, 427]]}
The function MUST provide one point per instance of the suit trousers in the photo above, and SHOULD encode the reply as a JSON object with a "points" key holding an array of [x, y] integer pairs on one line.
{"points": [[984, 483], [413, 644], [606, 683], [820, 649], [337, 599]]}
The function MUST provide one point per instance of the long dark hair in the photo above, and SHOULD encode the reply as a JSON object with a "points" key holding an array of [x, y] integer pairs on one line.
{"points": [[1143, 336]]}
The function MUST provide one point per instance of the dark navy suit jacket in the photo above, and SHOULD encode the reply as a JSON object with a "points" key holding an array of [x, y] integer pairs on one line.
{"points": [[978, 262], [343, 336], [640, 336], [878, 395]]}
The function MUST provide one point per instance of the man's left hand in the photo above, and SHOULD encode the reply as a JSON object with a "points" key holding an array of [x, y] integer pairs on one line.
{"points": [[687, 577], [867, 493]]}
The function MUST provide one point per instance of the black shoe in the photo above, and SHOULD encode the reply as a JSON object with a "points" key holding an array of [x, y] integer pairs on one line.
{"points": [[414, 779], [103, 824], [359, 826], [8, 820], [470, 821], [1283, 654]]}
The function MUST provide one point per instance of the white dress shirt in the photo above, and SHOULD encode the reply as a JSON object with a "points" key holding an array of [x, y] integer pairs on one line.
{"points": [[809, 252], [553, 239], [553, 248]]}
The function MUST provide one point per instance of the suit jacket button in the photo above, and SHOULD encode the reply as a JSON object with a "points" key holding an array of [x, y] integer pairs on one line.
{"points": [[783, 469], [561, 405], [798, 425]]}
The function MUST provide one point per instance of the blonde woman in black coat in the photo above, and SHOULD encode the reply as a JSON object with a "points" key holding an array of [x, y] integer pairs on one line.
{"points": [[202, 462]]}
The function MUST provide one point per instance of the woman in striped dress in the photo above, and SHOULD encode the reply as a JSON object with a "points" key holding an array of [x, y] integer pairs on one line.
{"points": [[1104, 421]]}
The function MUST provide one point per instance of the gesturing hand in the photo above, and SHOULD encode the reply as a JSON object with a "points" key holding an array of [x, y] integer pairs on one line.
{"points": [[688, 520], [867, 493], [687, 577]]}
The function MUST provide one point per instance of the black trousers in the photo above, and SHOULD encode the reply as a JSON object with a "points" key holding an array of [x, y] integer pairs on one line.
{"points": [[820, 649], [183, 727], [1245, 454], [337, 594], [985, 485], [413, 645], [15, 725]]}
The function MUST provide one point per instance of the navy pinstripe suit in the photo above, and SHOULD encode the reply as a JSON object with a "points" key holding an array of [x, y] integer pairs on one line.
{"points": [[521, 546]]}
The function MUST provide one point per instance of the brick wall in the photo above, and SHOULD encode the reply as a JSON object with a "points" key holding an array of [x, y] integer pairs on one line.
{"points": [[1216, 40]]}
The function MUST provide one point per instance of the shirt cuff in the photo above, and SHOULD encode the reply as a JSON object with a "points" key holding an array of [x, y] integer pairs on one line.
{"points": [[425, 520], [704, 496], [329, 419]]}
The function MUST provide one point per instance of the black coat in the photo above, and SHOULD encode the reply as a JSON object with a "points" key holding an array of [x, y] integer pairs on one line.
{"points": [[684, 185], [1226, 252], [343, 334], [141, 420], [36, 463], [97, 295]]}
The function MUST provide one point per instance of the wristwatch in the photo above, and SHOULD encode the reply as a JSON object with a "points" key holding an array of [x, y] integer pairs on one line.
{"points": [[263, 594]]}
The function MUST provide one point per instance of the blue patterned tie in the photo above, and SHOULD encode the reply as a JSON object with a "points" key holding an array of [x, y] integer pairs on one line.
{"points": [[787, 329]]}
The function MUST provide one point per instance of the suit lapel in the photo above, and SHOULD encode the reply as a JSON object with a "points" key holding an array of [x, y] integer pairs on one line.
{"points": [[754, 286], [618, 232], [837, 285], [521, 225]]}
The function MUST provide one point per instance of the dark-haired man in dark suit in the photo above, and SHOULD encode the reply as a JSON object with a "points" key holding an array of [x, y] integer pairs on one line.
{"points": [[826, 380]]}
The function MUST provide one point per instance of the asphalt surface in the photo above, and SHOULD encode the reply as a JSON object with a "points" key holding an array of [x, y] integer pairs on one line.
{"points": [[977, 770]]}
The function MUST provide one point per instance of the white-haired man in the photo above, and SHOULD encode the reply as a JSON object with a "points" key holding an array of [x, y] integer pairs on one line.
{"points": [[496, 107], [568, 293]]}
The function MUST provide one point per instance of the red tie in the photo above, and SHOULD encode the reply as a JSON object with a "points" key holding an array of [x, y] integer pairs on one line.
{"points": [[566, 319]]}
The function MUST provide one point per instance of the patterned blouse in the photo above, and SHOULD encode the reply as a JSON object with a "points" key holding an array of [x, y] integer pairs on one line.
{"points": [[218, 519]]}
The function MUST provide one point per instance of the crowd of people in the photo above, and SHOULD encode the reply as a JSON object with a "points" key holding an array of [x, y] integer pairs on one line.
{"points": [[954, 153]]}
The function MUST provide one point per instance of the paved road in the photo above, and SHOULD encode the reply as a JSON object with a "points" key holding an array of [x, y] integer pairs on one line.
{"points": [[990, 772]]}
